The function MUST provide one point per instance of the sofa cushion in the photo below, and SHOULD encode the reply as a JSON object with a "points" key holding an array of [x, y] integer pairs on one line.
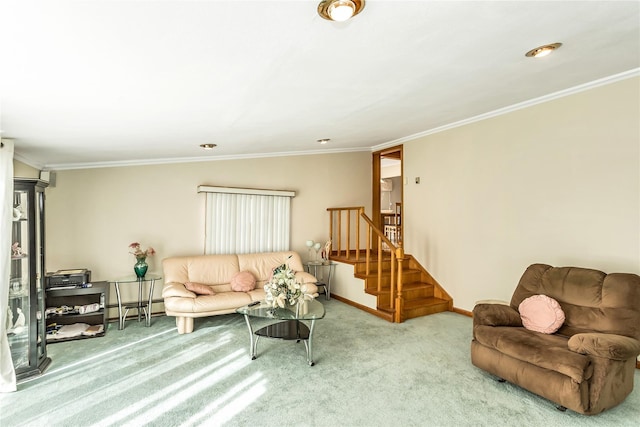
{"points": [[225, 302], [541, 313], [308, 280], [543, 350], [261, 265], [243, 281], [614, 347], [211, 269], [495, 315], [199, 288]]}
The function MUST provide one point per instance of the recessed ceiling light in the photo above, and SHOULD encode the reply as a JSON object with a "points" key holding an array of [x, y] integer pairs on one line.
{"points": [[339, 10], [324, 141], [208, 146], [541, 51]]}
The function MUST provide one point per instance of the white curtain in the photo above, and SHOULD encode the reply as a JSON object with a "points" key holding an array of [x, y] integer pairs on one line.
{"points": [[7, 373], [238, 223]]}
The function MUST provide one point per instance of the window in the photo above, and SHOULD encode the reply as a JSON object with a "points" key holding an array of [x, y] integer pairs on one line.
{"points": [[240, 220]]}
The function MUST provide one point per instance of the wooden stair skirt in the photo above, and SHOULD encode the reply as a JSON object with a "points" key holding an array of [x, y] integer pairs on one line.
{"points": [[422, 295]]}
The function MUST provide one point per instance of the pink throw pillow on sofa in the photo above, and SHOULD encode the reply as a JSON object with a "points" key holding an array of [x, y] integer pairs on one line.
{"points": [[199, 288], [541, 313], [243, 281]]}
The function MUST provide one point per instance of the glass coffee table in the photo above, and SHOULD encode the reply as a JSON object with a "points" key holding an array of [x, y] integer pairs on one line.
{"points": [[289, 325]]}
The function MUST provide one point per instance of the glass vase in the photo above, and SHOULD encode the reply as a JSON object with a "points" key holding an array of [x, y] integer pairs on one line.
{"points": [[300, 308], [141, 267]]}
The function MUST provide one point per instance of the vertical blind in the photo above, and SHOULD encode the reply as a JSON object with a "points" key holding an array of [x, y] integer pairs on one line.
{"points": [[246, 220]]}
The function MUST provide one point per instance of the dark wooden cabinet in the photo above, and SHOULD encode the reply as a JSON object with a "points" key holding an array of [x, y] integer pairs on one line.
{"points": [[26, 315], [73, 298]]}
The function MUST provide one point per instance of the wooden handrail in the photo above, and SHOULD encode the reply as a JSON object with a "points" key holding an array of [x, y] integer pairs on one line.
{"points": [[397, 256], [336, 234], [373, 232]]}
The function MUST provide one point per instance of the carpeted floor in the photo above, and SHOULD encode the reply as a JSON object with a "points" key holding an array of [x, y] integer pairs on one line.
{"points": [[368, 372]]}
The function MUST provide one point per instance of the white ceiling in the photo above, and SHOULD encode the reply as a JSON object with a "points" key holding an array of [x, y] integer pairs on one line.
{"points": [[98, 83]]}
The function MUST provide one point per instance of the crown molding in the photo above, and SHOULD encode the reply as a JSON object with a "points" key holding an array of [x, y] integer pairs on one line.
{"points": [[146, 162], [515, 107], [27, 161]]}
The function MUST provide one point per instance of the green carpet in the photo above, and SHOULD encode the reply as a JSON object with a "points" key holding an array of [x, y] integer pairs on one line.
{"points": [[368, 372]]}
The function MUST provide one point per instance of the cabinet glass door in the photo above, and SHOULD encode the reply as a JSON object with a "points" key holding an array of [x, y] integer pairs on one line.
{"points": [[41, 326], [18, 315], [26, 329]]}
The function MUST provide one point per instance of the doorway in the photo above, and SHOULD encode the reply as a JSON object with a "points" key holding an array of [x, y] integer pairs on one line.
{"points": [[387, 192]]}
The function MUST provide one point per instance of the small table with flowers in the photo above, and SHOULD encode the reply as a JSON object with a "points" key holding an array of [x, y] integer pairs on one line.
{"points": [[141, 305], [288, 327]]}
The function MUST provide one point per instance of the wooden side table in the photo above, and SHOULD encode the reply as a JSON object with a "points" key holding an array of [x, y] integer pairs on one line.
{"points": [[319, 269]]}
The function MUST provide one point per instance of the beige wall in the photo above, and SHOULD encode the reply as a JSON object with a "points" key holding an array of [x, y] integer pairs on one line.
{"points": [[556, 183], [24, 171], [93, 214]]}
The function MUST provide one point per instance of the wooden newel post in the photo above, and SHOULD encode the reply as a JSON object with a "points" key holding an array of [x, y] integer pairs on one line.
{"points": [[399, 297], [331, 237]]}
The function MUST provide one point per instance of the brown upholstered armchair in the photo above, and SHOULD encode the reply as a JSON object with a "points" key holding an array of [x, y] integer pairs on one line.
{"points": [[588, 364]]}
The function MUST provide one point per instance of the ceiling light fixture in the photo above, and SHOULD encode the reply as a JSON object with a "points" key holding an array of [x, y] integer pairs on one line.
{"points": [[541, 51], [208, 146], [339, 10], [324, 141]]}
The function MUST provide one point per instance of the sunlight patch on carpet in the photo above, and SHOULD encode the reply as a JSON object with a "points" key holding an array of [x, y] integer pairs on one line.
{"points": [[233, 402], [157, 404], [99, 357]]}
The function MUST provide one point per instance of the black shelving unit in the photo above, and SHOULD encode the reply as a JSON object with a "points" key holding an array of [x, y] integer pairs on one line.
{"points": [[98, 293], [26, 335]]}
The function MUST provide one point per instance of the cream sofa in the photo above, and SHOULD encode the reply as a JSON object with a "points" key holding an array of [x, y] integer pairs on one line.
{"points": [[216, 271]]}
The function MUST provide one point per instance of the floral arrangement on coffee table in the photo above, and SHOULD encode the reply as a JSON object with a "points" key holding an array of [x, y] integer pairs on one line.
{"points": [[283, 288]]}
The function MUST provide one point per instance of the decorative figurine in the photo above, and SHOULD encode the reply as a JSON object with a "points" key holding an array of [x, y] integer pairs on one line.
{"points": [[19, 326], [16, 250], [21, 321], [327, 250]]}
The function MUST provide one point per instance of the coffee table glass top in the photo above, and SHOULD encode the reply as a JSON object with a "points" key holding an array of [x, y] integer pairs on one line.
{"points": [[314, 310]]}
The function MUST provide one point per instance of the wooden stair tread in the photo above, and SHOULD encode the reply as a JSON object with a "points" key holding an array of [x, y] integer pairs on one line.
{"points": [[422, 307], [385, 273], [422, 302], [405, 287]]}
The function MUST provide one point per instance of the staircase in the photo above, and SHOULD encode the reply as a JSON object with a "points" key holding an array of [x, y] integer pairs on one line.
{"points": [[402, 287]]}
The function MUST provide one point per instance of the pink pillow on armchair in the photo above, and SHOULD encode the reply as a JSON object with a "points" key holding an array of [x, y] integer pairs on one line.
{"points": [[541, 313], [243, 281]]}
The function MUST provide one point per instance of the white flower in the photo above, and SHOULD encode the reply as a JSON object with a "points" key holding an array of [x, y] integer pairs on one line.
{"points": [[283, 288]]}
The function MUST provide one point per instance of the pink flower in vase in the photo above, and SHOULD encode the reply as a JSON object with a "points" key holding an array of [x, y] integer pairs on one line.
{"points": [[140, 254]]}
